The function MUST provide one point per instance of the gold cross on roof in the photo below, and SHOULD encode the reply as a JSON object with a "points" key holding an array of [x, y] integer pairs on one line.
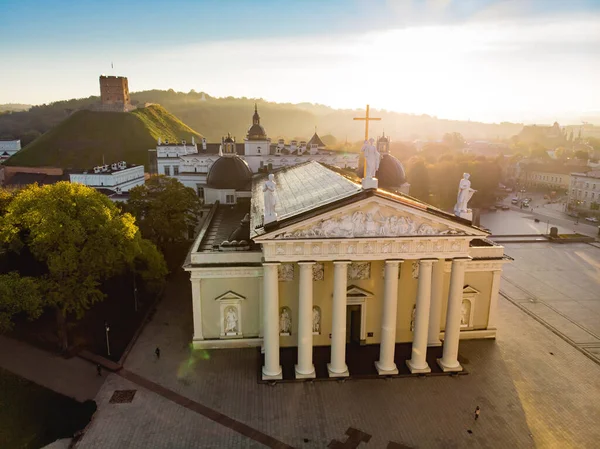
{"points": [[367, 119]]}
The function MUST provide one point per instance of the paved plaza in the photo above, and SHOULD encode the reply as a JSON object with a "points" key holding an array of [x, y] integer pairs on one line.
{"points": [[560, 285], [534, 390]]}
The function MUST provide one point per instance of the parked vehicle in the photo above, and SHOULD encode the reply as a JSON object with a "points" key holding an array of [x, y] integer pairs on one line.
{"points": [[525, 205], [592, 219], [505, 207], [515, 201]]}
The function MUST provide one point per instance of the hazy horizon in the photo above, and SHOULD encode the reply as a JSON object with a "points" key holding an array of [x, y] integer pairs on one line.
{"points": [[487, 60]]}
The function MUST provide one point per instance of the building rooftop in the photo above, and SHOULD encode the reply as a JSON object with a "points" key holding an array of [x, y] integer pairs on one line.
{"points": [[311, 188], [225, 221]]}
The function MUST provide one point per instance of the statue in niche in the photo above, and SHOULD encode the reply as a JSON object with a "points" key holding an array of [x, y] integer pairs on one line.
{"points": [[316, 323], [285, 322], [465, 192], [269, 199], [465, 313], [372, 158], [231, 321]]}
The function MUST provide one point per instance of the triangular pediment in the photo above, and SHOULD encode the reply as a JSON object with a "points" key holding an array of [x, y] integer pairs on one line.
{"points": [[374, 217], [355, 291], [467, 289], [230, 295]]}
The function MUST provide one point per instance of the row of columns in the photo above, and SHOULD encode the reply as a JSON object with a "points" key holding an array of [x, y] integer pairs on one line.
{"points": [[426, 325]]}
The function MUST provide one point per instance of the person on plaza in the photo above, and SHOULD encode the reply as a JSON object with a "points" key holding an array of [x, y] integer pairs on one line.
{"points": [[477, 412], [157, 352], [99, 369]]}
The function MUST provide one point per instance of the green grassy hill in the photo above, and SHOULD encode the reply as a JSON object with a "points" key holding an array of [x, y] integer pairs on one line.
{"points": [[83, 138]]}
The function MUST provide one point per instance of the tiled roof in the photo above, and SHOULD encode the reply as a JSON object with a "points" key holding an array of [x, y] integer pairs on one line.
{"points": [[311, 188]]}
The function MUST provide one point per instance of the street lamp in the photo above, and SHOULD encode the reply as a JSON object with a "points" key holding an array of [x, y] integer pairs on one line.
{"points": [[107, 329], [135, 302]]}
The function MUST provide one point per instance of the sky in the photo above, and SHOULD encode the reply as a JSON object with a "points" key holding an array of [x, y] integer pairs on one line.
{"points": [[482, 60]]}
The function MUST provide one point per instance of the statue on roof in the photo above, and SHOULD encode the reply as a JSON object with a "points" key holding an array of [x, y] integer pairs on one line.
{"points": [[372, 159], [269, 199], [465, 192]]}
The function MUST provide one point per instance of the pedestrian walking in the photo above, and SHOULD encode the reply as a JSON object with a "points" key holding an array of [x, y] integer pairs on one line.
{"points": [[157, 352], [99, 369], [477, 412]]}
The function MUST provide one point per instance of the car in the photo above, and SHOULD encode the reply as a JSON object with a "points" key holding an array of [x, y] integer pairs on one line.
{"points": [[526, 205], [514, 201], [592, 219], [505, 207]]}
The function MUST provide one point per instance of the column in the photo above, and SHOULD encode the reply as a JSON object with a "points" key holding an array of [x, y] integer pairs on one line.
{"points": [[435, 312], [449, 360], [271, 368], [337, 367], [495, 291], [305, 368], [385, 365], [197, 310], [418, 362]]}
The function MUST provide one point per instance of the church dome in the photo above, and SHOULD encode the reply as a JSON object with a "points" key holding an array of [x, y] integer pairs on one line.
{"points": [[391, 174], [229, 173], [257, 132]]}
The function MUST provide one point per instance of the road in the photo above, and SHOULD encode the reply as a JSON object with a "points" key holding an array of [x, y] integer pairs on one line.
{"points": [[539, 209]]}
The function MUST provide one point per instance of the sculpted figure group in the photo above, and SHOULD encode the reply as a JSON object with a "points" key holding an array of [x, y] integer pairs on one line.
{"points": [[367, 224]]}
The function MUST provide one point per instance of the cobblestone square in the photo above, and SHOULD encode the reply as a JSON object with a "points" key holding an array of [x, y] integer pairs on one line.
{"points": [[534, 390]]}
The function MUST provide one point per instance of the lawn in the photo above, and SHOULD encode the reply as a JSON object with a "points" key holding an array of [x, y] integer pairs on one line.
{"points": [[32, 416]]}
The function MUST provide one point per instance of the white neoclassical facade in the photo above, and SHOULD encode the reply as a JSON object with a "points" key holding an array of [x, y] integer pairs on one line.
{"points": [[341, 267], [117, 177]]}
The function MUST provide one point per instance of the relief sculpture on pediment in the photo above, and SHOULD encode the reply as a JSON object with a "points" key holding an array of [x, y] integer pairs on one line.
{"points": [[371, 222]]}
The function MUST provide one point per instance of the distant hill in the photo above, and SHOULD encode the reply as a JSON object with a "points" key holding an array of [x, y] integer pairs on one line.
{"points": [[83, 138], [14, 107], [215, 117]]}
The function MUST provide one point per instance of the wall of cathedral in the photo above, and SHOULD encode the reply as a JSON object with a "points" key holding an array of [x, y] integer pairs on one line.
{"points": [[475, 309], [248, 287]]}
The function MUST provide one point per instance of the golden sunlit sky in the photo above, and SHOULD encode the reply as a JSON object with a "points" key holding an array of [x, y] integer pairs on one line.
{"points": [[480, 60]]}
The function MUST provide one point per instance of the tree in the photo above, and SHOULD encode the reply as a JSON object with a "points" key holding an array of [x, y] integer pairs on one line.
{"points": [[455, 141], [582, 155], [418, 177], [79, 237], [17, 295], [150, 265], [329, 140], [164, 209]]}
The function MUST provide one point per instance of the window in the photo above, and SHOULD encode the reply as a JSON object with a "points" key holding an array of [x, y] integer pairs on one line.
{"points": [[229, 199], [258, 150], [262, 164], [167, 170], [175, 170]]}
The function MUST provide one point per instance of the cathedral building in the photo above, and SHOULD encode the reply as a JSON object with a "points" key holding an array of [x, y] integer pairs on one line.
{"points": [[313, 262]]}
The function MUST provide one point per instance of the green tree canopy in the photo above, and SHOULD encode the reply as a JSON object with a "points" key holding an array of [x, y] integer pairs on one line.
{"points": [[17, 295], [418, 178], [454, 140], [165, 209], [80, 238]]}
